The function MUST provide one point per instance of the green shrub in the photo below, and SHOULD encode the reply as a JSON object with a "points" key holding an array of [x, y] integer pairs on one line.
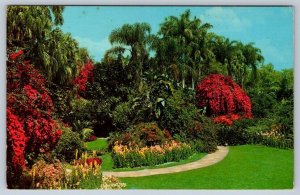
{"points": [[67, 144], [86, 133], [121, 116], [236, 134], [81, 114], [178, 114], [284, 116], [204, 131]]}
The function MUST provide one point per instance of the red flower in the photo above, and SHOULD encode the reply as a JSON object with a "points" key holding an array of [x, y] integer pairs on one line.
{"points": [[14, 56], [93, 161]]}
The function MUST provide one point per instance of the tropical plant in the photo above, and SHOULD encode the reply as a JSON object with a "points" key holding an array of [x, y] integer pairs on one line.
{"points": [[135, 38], [183, 39]]}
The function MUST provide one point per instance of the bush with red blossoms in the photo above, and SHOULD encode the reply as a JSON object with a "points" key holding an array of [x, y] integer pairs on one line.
{"points": [[16, 140], [226, 119], [30, 126], [85, 74], [221, 96]]}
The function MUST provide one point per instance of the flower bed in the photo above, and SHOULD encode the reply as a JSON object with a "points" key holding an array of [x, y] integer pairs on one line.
{"points": [[124, 156], [271, 138]]}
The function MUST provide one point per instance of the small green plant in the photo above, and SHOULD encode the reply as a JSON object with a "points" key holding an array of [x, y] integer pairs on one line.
{"points": [[86, 133]]}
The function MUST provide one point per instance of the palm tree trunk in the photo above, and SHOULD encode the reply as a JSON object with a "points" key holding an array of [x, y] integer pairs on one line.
{"points": [[193, 84]]}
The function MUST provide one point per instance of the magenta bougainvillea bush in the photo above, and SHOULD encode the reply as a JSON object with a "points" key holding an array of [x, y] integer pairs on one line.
{"points": [[85, 74], [223, 98], [31, 128]]}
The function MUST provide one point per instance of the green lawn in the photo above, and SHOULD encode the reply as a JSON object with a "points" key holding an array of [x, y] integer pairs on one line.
{"points": [[245, 167], [98, 144]]}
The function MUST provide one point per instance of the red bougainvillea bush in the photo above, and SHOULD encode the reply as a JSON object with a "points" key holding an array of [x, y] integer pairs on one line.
{"points": [[31, 129], [85, 74], [223, 99]]}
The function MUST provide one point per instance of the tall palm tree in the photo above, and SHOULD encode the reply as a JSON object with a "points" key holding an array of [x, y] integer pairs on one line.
{"points": [[181, 30], [186, 33], [224, 50], [253, 57], [136, 39]]}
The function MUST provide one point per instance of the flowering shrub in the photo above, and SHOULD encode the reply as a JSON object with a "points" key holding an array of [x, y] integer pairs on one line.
{"points": [[47, 176], [57, 176], [274, 133], [271, 138], [143, 134], [111, 183], [31, 129], [226, 119], [203, 135], [92, 161], [221, 96], [16, 140], [124, 156], [151, 134], [86, 72]]}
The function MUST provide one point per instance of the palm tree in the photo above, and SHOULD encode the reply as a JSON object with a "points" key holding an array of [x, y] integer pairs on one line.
{"points": [[186, 34], [253, 57], [134, 38], [180, 29], [224, 50]]}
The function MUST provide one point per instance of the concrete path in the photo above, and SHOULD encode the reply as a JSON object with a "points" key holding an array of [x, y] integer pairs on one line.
{"points": [[207, 160]]}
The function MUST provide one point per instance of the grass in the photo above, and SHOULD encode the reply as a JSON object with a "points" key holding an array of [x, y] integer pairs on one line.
{"points": [[245, 167], [98, 144]]}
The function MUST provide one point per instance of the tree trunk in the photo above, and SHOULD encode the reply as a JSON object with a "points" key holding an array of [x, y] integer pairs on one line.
{"points": [[193, 84], [183, 83]]}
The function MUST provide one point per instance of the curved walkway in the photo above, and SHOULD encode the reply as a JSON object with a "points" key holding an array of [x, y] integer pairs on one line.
{"points": [[207, 160]]}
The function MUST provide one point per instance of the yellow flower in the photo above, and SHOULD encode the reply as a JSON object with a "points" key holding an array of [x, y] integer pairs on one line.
{"points": [[33, 172], [76, 154]]}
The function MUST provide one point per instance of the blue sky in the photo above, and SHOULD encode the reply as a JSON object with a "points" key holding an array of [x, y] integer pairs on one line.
{"points": [[270, 28]]}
